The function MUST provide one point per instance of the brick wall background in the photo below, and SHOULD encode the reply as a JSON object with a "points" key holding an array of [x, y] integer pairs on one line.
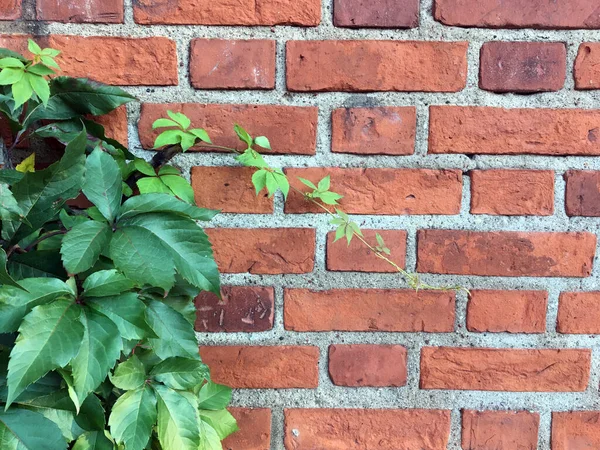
{"points": [[466, 131]]}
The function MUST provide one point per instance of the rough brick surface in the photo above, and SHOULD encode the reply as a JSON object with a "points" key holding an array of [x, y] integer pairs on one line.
{"points": [[383, 191], [374, 131], [507, 311], [575, 430], [115, 125], [587, 66], [240, 308], [508, 254], [376, 66], [493, 430], [254, 429], [518, 14], [514, 370], [523, 67], [220, 12], [10, 9], [232, 64], [356, 257], [229, 189], [99, 11], [498, 131], [263, 251], [280, 367], [512, 192], [579, 313], [259, 120], [366, 429], [367, 365], [582, 193], [369, 310], [376, 14]]}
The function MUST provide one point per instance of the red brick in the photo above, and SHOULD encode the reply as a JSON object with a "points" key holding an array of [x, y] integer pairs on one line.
{"points": [[512, 192], [583, 192], [367, 365], [280, 367], [115, 125], [232, 64], [507, 311], [254, 429], [493, 430], [263, 251], [579, 313], [95, 11], [240, 308], [518, 14], [272, 121], [376, 14], [364, 66], [587, 66], [575, 430], [366, 429], [513, 370], [223, 12], [10, 9], [382, 191], [374, 131], [369, 310], [230, 190], [506, 253], [357, 257], [523, 67], [498, 131]]}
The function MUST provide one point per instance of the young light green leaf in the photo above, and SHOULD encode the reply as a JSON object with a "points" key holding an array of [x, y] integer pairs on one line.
{"points": [[308, 183], [282, 182], [349, 234], [179, 187], [259, 180], [39, 86], [209, 438], [271, 183], [169, 170], [222, 421], [152, 185], [177, 426], [33, 47], [132, 418], [93, 440], [129, 375], [243, 135], [126, 311], [10, 76], [82, 245], [324, 184], [329, 198], [187, 141], [180, 373], [342, 214], [21, 89], [263, 142], [106, 283], [355, 228], [41, 70], [21, 429], [50, 52], [379, 240], [164, 123], [340, 232], [144, 167], [214, 397], [252, 158], [102, 184], [49, 61], [13, 63], [169, 137], [181, 119], [201, 134]]}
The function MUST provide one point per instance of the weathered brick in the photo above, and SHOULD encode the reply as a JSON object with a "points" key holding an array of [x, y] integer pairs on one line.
{"points": [[263, 250], [512, 192], [367, 365], [493, 430], [357, 257], [506, 253], [579, 313], [582, 196], [230, 190], [523, 67], [362, 66], [374, 131], [499, 131], [376, 13], [518, 14], [390, 191], [10, 9], [507, 311], [366, 429], [281, 367], [369, 310], [587, 66], [513, 370], [254, 429], [575, 430], [95, 11], [232, 64], [224, 12], [115, 125], [240, 308], [272, 121]]}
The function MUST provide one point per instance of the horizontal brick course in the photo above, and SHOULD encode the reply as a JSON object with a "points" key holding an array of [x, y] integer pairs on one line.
{"points": [[10, 9], [81, 11], [491, 430], [376, 14]]}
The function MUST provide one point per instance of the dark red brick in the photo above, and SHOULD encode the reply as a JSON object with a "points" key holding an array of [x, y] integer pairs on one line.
{"points": [[583, 191], [376, 13]]}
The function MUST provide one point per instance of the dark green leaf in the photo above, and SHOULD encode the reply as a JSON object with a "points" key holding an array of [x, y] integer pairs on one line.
{"points": [[126, 311], [102, 184], [5, 277], [9, 208], [129, 375], [21, 429], [34, 264], [10, 176], [214, 397], [93, 440], [176, 337], [83, 244], [91, 415], [181, 373], [106, 283], [133, 417], [158, 203]]}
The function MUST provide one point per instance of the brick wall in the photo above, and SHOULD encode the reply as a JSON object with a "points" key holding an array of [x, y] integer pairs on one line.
{"points": [[466, 131]]}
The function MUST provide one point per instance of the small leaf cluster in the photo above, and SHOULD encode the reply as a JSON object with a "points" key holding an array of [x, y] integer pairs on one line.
{"points": [[179, 132], [345, 227], [321, 191]]}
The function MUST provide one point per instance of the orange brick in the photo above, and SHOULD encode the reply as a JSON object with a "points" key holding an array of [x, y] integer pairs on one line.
{"points": [[579, 313], [254, 429], [80, 11], [582, 196], [492, 430], [115, 125], [587, 70], [575, 430], [10, 9]]}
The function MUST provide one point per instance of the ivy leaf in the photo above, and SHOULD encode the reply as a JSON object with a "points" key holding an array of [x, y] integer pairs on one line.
{"points": [[180, 373], [42, 70], [169, 137], [106, 283], [324, 184], [308, 183], [282, 182], [271, 183], [164, 123], [91, 415], [132, 418], [157, 203], [21, 90], [201, 134], [11, 75], [49, 337], [209, 438], [5, 277], [40, 263], [222, 421], [11, 62], [39, 86], [100, 348], [263, 142], [21, 429], [181, 119], [340, 232], [9, 208], [102, 184], [243, 135], [380, 241], [180, 187], [129, 375], [145, 167], [252, 158], [126, 311], [33, 47], [259, 180], [214, 397], [177, 426], [93, 440], [82, 245], [329, 198], [152, 185]]}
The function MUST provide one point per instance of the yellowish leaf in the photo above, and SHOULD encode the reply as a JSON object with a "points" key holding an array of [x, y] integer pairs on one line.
{"points": [[27, 165]]}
